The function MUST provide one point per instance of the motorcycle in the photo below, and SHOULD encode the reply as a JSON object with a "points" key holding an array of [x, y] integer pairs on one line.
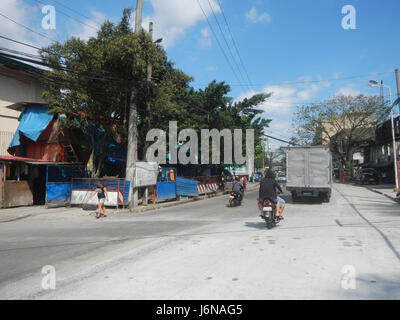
{"points": [[269, 210], [235, 199]]}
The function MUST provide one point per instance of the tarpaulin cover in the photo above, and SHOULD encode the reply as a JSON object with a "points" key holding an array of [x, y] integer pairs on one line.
{"points": [[166, 190], [186, 187], [33, 122]]}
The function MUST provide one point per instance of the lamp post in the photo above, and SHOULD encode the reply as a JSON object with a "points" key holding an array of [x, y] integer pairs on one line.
{"points": [[374, 83]]}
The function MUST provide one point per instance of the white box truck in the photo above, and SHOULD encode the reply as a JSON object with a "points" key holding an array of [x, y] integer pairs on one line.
{"points": [[309, 172]]}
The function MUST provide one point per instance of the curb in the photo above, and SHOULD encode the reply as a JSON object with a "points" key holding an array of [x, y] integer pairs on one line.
{"points": [[382, 193], [177, 203]]}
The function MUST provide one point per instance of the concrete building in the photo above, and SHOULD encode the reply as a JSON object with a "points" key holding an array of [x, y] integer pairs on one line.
{"points": [[18, 82]]}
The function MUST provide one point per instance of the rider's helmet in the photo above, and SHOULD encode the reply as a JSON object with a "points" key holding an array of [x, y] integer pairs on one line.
{"points": [[269, 174]]}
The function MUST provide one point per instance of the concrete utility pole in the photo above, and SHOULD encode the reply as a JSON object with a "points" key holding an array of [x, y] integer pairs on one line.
{"points": [[138, 19], [398, 85], [132, 129], [148, 106], [149, 75]]}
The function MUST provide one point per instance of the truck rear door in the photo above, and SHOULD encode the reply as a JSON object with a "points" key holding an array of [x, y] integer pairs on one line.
{"points": [[318, 167], [296, 167]]}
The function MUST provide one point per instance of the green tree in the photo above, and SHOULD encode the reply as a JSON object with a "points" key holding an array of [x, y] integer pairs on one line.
{"points": [[341, 122]]}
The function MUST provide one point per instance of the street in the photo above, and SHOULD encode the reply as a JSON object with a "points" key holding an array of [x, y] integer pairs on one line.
{"points": [[205, 250]]}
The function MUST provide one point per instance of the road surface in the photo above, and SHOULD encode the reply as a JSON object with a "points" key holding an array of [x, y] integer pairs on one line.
{"points": [[346, 249]]}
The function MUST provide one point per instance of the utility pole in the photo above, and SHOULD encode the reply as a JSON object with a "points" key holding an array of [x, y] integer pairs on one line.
{"points": [[398, 86], [149, 75], [138, 19], [148, 105], [132, 128]]}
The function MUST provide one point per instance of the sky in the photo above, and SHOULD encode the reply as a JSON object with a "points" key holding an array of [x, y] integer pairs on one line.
{"points": [[297, 50]]}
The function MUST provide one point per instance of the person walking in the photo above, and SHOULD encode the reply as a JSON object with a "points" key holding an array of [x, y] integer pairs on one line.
{"points": [[102, 196]]}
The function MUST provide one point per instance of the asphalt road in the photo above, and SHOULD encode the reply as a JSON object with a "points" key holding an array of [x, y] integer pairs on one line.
{"points": [[346, 249]]}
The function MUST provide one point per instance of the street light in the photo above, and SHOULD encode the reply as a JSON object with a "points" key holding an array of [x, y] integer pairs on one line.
{"points": [[374, 83]]}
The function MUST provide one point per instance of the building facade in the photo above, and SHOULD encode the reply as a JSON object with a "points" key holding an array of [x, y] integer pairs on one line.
{"points": [[18, 82]]}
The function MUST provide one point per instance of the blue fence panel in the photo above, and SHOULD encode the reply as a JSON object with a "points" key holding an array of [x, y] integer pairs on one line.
{"points": [[166, 190], [58, 192], [126, 190], [186, 187]]}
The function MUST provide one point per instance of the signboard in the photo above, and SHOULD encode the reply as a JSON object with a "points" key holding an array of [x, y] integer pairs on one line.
{"points": [[146, 174], [266, 144]]}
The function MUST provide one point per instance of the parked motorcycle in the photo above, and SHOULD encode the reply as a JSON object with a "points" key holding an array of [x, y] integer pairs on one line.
{"points": [[269, 209]]}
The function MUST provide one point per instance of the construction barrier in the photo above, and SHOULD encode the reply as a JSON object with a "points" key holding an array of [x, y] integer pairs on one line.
{"points": [[205, 188], [82, 189]]}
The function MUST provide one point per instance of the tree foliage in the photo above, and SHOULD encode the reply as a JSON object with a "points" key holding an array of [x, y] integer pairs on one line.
{"points": [[340, 122]]}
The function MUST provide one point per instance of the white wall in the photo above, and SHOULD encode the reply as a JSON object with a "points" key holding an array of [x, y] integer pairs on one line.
{"points": [[11, 91]]}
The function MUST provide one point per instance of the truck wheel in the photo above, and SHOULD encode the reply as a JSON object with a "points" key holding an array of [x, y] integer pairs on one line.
{"points": [[294, 196]]}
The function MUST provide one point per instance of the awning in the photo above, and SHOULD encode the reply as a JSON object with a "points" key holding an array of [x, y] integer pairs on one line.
{"points": [[33, 122]]}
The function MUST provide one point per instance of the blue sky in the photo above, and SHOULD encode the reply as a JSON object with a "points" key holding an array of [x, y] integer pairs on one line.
{"points": [[279, 41]]}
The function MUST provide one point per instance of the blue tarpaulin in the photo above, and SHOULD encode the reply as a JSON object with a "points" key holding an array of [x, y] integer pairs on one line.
{"points": [[33, 122], [186, 187], [166, 190]]}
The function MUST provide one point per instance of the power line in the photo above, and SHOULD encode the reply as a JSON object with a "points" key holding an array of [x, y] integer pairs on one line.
{"points": [[83, 74], [77, 12], [226, 42], [27, 28], [234, 43], [306, 81], [49, 52], [67, 15], [219, 44], [271, 137]]}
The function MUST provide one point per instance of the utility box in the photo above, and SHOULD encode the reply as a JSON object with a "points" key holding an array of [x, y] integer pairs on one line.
{"points": [[309, 172]]}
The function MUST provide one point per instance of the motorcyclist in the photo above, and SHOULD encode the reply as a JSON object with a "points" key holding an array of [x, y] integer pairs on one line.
{"points": [[237, 187], [268, 190]]}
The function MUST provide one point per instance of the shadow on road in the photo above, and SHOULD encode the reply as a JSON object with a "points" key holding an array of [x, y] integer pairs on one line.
{"points": [[256, 225]]}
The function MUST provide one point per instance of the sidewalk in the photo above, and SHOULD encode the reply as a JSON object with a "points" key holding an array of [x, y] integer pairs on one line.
{"points": [[20, 213], [384, 189]]}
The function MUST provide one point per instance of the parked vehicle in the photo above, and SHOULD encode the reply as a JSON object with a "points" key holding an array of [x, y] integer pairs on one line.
{"points": [[269, 209], [281, 177], [309, 172], [367, 175]]}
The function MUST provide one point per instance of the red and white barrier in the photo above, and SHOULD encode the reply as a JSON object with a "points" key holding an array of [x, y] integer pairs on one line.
{"points": [[205, 188]]}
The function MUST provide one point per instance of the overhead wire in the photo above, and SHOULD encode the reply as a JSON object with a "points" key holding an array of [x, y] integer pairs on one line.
{"points": [[68, 16], [234, 43], [218, 42], [227, 45], [27, 28], [76, 12]]}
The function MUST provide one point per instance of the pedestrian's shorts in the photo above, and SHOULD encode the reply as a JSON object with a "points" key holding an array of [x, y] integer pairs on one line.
{"points": [[102, 200], [281, 201]]}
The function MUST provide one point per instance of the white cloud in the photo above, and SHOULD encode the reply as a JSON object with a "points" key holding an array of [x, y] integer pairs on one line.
{"points": [[285, 97], [254, 17], [205, 40], [348, 91], [90, 28], [210, 68], [22, 13], [174, 18]]}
